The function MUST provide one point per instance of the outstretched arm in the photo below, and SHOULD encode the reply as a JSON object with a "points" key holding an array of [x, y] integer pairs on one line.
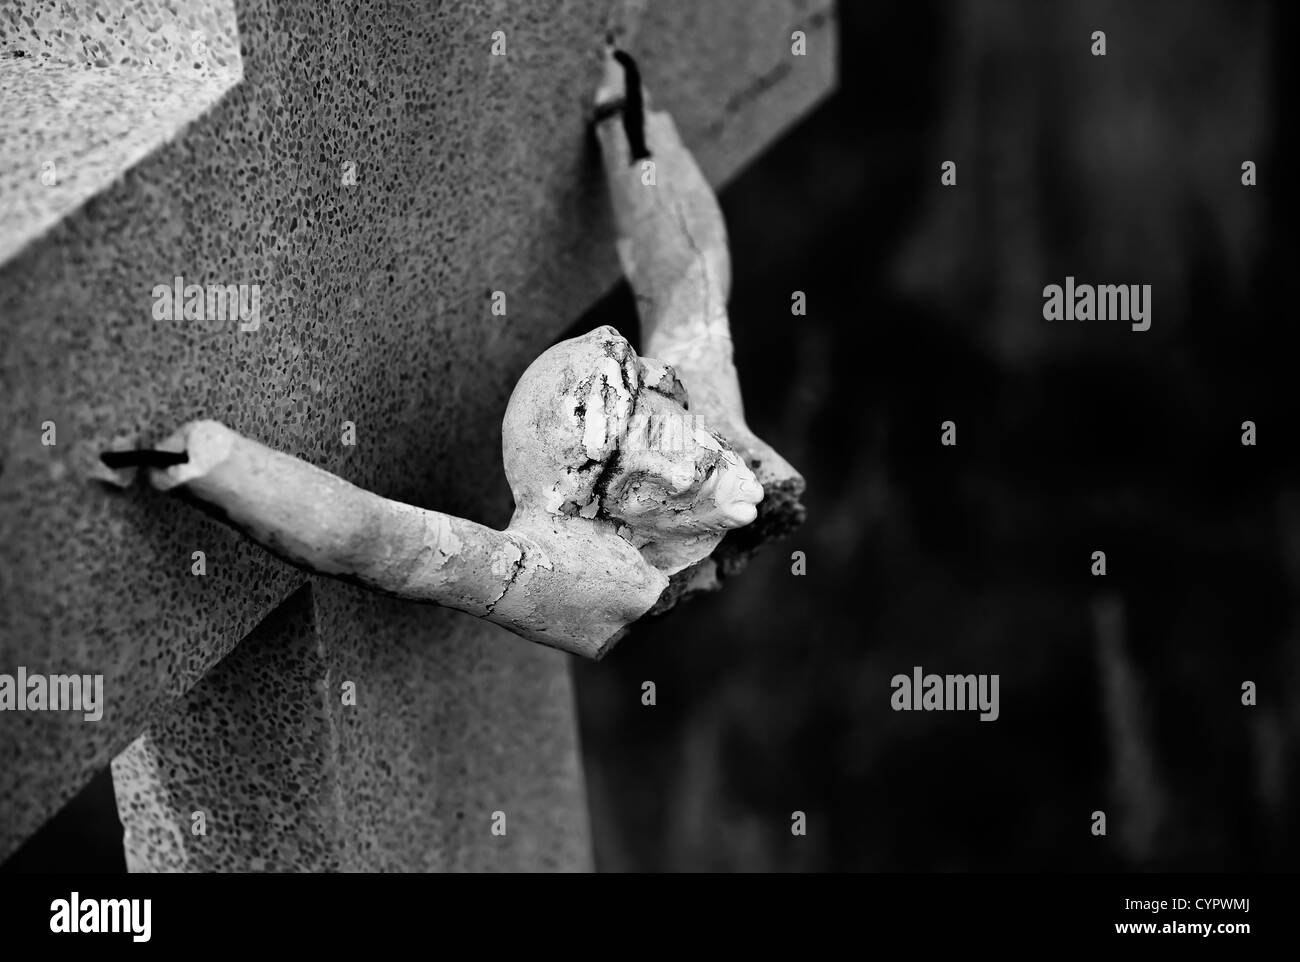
{"points": [[320, 522], [568, 583]]}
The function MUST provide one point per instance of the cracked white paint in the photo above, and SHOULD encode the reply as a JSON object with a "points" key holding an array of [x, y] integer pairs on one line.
{"points": [[448, 544], [504, 560]]}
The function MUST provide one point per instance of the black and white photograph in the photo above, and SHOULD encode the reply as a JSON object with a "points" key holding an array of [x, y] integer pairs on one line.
{"points": [[707, 438]]}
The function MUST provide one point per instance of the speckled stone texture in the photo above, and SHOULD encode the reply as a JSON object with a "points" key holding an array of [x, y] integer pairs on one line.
{"points": [[473, 174], [89, 89], [239, 773]]}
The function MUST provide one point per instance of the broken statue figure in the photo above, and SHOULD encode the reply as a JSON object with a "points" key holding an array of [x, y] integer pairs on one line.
{"points": [[627, 472]]}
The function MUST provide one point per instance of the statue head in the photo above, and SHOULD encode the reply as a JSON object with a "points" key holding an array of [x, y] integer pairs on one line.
{"points": [[593, 431]]}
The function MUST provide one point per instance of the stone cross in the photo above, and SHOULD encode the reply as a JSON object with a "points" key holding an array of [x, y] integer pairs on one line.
{"points": [[389, 212]]}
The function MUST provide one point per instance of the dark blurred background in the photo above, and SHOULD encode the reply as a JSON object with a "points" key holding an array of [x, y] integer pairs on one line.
{"points": [[1120, 693]]}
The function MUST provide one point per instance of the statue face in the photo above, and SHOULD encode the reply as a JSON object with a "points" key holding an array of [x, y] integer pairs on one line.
{"points": [[672, 473], [594, 431]]}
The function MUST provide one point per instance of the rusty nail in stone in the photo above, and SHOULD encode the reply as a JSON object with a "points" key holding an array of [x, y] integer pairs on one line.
{"points": [[143, 458]]}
